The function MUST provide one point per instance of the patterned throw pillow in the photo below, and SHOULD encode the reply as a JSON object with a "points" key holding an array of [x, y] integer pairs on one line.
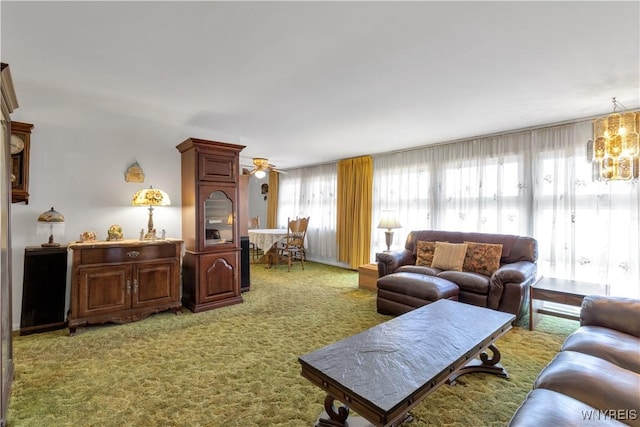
{"points": [[449, 256], [482, 258], [424, 252]]}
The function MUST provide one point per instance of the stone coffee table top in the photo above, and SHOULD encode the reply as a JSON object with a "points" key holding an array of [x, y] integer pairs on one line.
{"points": [[384, 371]]}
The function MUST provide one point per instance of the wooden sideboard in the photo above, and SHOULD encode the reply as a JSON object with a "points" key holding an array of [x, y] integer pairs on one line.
{"points": [[123, 281]]}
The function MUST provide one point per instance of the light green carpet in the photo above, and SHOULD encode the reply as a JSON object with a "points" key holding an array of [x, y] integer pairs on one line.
{"points": [[237, 366]]}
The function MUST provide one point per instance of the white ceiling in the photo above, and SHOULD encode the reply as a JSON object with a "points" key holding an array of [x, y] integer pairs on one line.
{"points": [[309, 82]]}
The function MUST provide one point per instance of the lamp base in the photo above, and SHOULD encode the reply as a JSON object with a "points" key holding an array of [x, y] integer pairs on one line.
{"points": [[149, 235], [50, 243], [388, 237]]}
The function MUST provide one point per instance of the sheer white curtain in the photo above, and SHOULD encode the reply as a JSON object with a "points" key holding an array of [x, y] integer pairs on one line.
{"points": [[311, 191], [402, 183], [478, 185], [482, 185], [585, 230], [536, 183]]}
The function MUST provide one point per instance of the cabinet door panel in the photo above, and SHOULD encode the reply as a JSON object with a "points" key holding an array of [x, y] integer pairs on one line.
{"points": [[153, 284], [217, 167], [218, 277], [104, 289]]}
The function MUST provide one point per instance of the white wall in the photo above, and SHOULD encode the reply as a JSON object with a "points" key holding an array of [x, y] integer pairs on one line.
{"points": [[80, 172], [257, 202], [79, 154]]}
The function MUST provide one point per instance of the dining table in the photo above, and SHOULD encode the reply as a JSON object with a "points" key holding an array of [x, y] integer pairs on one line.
{"points": [[266, 239]]}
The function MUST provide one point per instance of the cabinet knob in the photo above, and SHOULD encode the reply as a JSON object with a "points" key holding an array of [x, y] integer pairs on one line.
{"points": [[133, 254], [135, 286], [128, 286]]}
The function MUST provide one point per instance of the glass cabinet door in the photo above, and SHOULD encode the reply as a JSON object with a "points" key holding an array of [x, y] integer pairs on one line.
{"points": [[218, 219]]}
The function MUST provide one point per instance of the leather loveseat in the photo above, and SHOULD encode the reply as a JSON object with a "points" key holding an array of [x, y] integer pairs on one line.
{"points": [[403, 285], [595, 378]]}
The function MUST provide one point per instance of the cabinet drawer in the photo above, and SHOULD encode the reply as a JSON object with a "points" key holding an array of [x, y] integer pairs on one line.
{"points": [[101, 255]]}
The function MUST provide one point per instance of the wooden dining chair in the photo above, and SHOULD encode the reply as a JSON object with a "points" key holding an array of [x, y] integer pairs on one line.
{"points": [[292, 247], [254, 222]]}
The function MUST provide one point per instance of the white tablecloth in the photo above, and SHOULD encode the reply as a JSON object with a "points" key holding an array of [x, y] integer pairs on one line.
{"points": [[264, 238]]}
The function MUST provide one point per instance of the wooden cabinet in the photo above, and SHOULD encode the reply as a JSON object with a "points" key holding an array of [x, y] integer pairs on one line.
{"points": [[123, 281], [210, 229]]}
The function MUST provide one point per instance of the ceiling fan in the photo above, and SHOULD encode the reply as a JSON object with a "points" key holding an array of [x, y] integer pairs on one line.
{"points": [[262, 166]]}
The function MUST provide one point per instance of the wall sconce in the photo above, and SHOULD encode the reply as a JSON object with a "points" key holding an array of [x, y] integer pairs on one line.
{"points": [[389, 221], [150, 197], [51, 222]]}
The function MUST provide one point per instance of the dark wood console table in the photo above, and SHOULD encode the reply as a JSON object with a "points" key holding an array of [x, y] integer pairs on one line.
{"points": [[385, 371]]}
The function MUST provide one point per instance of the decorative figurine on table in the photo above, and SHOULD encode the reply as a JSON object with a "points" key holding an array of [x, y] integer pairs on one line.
{"points": [[88, 236], [142, 234], [163, 235], [114, 233]]}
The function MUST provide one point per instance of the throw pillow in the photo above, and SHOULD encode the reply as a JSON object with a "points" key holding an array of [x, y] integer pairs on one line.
{"points": [[424, 252], [482, 258], [449, 256]]}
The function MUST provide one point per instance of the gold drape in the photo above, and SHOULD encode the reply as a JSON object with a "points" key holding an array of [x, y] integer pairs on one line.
{"points": [[272, 201], [355, 194]]}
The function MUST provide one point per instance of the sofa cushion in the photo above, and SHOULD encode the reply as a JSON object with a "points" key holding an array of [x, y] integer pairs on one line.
{"points": [[424, 252], [426, 288], [617, 313], [592, 380], [419, 269], [482, 258], [470, 282], [449, 256], [608, 344], [549, 408]]}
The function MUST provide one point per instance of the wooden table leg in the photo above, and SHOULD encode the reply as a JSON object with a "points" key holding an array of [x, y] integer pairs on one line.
{"points": [[485, 364], [337, 418]]}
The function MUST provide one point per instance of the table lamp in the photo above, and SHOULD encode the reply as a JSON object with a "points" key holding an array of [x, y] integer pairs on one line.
{"points": [[389, 221], [51, 222], [150, 197]]}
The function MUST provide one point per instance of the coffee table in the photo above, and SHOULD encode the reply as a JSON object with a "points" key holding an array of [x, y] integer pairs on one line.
{"points": [[385, 371]]}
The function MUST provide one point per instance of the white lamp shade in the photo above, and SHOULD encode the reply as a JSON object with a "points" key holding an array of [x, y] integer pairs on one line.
{"points": [[389, 220]]}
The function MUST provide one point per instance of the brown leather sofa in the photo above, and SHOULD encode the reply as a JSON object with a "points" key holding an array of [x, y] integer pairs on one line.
{"points": [[404, 286], [595, 378]]}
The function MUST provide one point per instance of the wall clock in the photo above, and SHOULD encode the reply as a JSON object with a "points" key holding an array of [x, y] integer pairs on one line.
{"points": [[20, 141]]}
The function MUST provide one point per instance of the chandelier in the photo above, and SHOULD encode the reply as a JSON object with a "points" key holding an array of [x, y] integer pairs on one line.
{"points": [[616, 145]]}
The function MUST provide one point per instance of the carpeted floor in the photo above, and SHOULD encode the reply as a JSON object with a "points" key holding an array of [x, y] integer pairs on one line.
{"points": [[237, 366]]}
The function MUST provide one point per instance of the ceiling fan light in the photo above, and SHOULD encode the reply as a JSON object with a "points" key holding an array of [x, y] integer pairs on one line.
{"points": [[260, 174]]}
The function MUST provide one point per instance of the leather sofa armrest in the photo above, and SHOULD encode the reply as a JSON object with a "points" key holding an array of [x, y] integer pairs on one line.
{"points": [[516, 272], [517, 275], [618, 313], [388, 262]]}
